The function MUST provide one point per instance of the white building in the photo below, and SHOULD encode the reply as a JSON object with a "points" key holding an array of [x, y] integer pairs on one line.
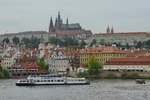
{"points": [[58, 62]]}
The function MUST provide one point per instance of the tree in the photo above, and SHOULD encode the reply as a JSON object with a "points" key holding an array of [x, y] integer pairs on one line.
{"points": [[82, 44], [44, 66], [32, 42], [139, 44], [127, 45], [5, 73], [124, 74], [66, 42], [70, 42], [94, 67], [93, 42], [133, 75], [16, 40], [0, 69], [6, 40], [147, 42]]}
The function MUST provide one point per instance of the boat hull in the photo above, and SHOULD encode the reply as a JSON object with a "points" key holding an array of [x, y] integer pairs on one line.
{"points": [[32, 84]]}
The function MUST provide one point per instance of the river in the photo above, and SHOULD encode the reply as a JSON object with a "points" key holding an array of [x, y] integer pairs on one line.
{"points": [[98, 90]]}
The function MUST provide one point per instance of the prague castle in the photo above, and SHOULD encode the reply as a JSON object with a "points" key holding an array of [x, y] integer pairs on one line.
{"points": [[62, 30], [60, 26]]}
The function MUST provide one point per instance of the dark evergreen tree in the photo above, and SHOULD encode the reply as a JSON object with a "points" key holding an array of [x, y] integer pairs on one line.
{"points": [[6, 40], [16, 40], [83, 44]]}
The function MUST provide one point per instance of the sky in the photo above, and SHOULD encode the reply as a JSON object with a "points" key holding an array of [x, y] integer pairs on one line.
{"points": [[95, 15]]}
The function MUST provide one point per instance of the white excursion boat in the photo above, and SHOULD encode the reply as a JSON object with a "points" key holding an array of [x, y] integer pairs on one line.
{"points": [[48, 80]]}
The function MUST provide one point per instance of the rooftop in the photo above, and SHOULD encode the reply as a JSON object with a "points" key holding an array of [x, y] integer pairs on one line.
{"points": [[122, 33], [129, 61]]}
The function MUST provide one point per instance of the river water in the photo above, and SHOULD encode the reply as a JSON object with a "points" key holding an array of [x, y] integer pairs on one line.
{"points": [[98, 90]]}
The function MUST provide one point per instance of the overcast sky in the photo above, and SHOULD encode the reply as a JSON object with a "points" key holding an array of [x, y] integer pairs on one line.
{"points": [[34, 15]]}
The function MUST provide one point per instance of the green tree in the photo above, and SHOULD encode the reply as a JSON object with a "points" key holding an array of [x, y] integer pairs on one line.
{"points": [[82, 44], [139, 44], [133, 75], [127, 45], [93, 42], [56, 41], [16, 40], [94, 67], [5, 73], [0, 69], [147, 42], [32, 42], [66, 42], [6, 40], [124, 74], [70, 42], [44, 66]]}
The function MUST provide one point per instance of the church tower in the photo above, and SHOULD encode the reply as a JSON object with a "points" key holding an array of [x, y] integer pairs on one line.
{"points": [[112, 30], [51, 26], [108, 29], [58, 22], [67, 24]]}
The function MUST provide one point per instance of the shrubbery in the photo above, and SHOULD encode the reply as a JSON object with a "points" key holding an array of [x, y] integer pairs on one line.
{"points": [[111, 76], [4, 73], [133, 75], [82, 74]]}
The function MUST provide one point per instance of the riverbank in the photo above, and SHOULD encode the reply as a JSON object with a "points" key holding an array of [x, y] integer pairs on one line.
{"points": [[117, 75]]}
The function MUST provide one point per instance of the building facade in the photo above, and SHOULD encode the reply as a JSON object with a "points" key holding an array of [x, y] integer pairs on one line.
{"points": [[102, 54], [141, 64], [123, 38]]}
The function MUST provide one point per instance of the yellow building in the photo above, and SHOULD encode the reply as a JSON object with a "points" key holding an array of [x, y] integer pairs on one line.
{"points": [[102, 54]]}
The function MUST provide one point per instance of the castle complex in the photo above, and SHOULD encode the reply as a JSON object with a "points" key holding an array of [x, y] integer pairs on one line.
{"points": [[62, 30], [60, 26]]}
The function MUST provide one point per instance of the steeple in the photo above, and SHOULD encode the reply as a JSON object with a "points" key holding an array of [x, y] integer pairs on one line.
{"points": [[112, 30], [51, 27], [59, 18], [67, 22], [108, 29], [56, 21]]}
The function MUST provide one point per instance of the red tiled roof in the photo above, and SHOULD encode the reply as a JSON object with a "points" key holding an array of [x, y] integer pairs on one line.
{"points": [[30, 66], [107, 49], [129, 61], [134, 53]]}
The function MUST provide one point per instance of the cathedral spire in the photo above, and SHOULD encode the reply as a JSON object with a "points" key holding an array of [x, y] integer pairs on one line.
{"points": [[112, 30], [67, 22], [56, 21], [59, 18], [51, 27], [108, 29]]}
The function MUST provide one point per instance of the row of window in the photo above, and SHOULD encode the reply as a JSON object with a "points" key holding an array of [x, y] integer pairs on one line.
{"points": [[23, 70], [101, 54], [48, 80], [99, 60]]}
